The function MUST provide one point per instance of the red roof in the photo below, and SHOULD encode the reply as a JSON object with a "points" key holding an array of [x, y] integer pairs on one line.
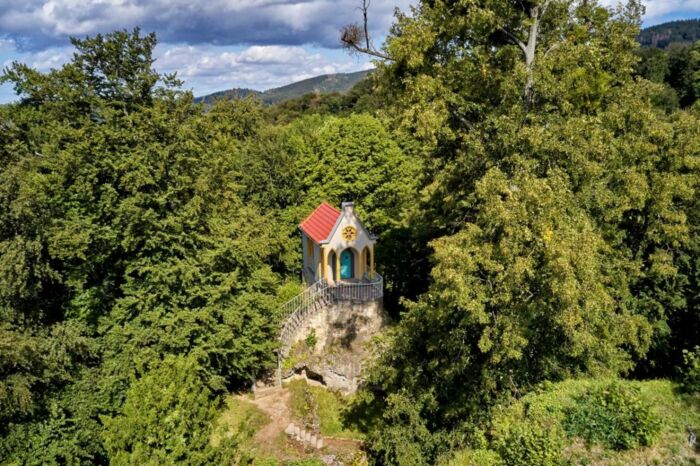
{"points": [[320, 223]]}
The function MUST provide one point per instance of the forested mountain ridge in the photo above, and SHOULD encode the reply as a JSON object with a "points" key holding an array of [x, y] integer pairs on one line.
{"points": [[538, 225], [662, 35], [327, 83]]}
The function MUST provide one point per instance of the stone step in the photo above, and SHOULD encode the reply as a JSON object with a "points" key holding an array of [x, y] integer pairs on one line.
{"points": [[301, 435]]}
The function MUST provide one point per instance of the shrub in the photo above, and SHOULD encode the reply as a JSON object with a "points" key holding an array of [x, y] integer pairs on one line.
{"points": [[475, 458], [614, 416], [402, 438], [311, 339], [527, 443], [690, 372]]}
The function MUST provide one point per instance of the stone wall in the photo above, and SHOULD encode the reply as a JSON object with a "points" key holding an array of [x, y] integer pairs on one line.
{"points": [[342, 332]]}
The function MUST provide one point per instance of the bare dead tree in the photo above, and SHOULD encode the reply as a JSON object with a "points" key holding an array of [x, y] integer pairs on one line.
{"points": [[356, 37]]}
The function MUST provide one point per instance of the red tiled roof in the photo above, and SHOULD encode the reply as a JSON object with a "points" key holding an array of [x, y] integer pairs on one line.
{"points": [[319, 224]]}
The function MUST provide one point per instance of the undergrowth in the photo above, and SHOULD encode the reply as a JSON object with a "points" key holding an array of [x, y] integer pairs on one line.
{"points": [[317, 407]]}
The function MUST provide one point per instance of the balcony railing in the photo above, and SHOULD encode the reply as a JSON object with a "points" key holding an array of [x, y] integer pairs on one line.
{"points": [[367, 289]]}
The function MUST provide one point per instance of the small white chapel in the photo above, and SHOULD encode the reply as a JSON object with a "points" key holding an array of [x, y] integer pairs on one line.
{"points": [[336, 246]]}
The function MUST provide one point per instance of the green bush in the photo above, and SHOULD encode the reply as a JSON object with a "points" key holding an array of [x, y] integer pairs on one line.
{"points": [[614, 416], [475, 458], [527, 443], [311, 339], [690, 372]]}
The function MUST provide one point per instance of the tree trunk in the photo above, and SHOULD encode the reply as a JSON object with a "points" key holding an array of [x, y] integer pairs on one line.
{"points": [[529, 51]]}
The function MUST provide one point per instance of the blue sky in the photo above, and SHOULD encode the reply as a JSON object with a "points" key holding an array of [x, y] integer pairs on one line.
{"points": [[220, 44]]}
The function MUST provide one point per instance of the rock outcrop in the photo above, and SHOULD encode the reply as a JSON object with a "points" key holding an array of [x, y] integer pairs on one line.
{"points": [[331, 346]]}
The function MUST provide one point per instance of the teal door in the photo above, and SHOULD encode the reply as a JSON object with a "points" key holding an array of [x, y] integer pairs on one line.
{"points": [[346, 265]]}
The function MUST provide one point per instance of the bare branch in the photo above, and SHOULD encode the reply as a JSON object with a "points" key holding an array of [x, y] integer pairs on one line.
{"points": [[365, 7], [356, 38]]}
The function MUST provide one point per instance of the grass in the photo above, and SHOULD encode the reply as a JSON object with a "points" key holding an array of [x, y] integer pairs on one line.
{"points": [[317, 405], [239, 419]]}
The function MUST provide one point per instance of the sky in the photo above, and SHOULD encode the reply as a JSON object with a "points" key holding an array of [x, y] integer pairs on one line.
{"points": [[220, 44]]}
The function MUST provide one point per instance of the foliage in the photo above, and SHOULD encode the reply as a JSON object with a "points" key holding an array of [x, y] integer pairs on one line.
{"points": [[403, 438], [690, 371], [311, 339], [290, 169], [678, 68], [123, 239], [240, 419], [316, 405], [474, 458], [559, 201], [614, 416], [358, 99], [167, 417], [325, 84], [541, 420], [529, 444], [307, 462], [532, 177]]}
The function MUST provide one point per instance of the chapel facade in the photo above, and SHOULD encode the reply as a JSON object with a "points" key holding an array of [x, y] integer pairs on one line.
{"points": [[336, 246]]}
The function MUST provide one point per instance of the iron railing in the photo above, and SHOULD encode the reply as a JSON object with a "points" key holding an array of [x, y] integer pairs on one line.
{"points": [[365, 290]]}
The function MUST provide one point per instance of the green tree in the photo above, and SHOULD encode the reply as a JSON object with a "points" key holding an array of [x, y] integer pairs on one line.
{"points": [[123, 239], [167, 418], [559, 199]]}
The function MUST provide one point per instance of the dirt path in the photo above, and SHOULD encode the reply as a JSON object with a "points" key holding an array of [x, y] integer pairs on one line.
{"points": [[272, 441], [275, 403]]}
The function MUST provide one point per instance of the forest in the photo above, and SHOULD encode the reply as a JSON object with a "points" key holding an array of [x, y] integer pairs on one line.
{"points": [[673, 32], [532, 176]]}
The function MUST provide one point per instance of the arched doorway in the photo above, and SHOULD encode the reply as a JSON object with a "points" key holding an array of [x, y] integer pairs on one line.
{"points": [[347, 265]]}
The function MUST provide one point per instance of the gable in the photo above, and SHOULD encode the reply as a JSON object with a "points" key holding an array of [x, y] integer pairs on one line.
{"points": [[348, 218], [320, 223]]}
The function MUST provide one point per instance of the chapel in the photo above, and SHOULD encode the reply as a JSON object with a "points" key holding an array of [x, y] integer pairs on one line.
{"points": [[336, 246]]}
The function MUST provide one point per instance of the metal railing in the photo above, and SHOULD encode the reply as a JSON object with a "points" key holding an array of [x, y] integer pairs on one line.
{"points": [[365, 290], [297, 310], [303, 300]]}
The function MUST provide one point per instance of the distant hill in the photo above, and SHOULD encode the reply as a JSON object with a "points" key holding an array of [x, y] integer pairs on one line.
{"points": [[327, 83], [662, 35], [237, 93]]}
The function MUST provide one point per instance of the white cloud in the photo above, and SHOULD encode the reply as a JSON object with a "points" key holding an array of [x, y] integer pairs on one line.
{"points": [[659, 8], [44, 23], [44, 60], [209, 68]]}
